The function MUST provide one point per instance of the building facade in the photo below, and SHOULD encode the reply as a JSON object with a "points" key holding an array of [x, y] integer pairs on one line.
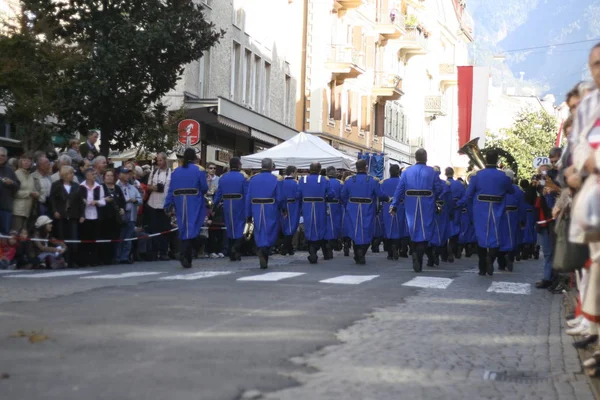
{"points": [[243, 90], [380, 75]]}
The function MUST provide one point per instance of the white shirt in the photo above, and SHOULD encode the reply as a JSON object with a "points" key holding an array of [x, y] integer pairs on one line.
{"points": [[68, 188], [91, 212], [157, 200]]}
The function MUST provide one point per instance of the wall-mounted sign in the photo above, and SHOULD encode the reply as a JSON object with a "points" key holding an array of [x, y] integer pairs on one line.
{"points": [[223, 156], [188, 136]]}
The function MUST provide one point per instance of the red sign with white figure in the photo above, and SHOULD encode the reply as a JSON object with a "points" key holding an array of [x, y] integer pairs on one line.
{"points": [[189, 132]]}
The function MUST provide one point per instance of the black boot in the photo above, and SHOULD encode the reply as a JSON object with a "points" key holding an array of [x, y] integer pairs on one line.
{"points": [[395, 245], [482, 254], [510, 261], [430, 256], [501, 261], [328, 249], [418, 251], [263, 257], [403, 249], [312, 252], [375, 245], [338, 244], [347, 243], [359, 254], [492, 254], [388, 248]]}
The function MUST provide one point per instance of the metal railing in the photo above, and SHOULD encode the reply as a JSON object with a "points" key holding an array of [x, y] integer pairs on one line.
{"points": [[413, 34], [436, 104], [388, 80], [342, 53]]}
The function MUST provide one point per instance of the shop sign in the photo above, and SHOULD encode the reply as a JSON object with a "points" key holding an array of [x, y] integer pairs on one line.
{"points": [[223, 156], [188, 135]]}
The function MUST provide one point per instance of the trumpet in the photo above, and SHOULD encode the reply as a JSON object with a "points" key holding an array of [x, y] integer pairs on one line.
{"points": [[248, 230]]}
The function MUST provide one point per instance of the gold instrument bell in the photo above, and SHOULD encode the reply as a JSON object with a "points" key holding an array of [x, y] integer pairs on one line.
{"points": [[209, 201], [471, 150], [248, 230]]}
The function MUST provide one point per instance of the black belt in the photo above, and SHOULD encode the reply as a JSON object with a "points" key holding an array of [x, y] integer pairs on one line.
{"points": [[333, 202], [313, 200], [291, 201], [263, 201], [419, 193], [186, 192], [360, 200], [512, 208], [233, 196], [489, 198]]}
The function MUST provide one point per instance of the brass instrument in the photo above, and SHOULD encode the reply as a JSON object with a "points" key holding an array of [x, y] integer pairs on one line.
{"points": [[209, 201], [471, 150], [248, 230]]}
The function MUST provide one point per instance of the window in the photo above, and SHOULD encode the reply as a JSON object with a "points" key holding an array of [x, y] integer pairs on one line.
{"points": [[247, 92], [287, 100], [204, 74], [238, 14], [267, 89], [236, 72], [364, 119], [348, 109], [256, 82]]}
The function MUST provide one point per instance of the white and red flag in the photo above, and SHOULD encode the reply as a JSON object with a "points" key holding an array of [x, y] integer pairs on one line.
{"points": [[473, 83]]}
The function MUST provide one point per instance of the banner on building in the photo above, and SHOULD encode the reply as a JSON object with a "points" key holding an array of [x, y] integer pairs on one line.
{"points": [[473, 83]]}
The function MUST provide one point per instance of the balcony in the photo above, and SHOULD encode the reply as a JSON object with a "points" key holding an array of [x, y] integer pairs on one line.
{"points": [[413, 43], [342, 6], [436, 105], [448, 75], [390, 24], [345, 62], [388, 87]]}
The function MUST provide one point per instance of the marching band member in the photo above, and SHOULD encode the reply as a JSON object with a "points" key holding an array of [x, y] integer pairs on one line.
{"points": [[457, 189], [334, 214], [264, 204], [394, 226], [313, 191], [419, 188], [360, 195], [486, 192], [290, 222], [441, 231], [186, 193], [514, 219], [232, 189]]}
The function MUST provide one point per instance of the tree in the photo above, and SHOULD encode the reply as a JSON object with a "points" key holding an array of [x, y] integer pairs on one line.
{"points": [[533, 134], [30, 72], [132, 52]]}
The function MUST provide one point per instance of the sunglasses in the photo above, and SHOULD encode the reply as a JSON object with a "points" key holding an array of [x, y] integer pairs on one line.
{"points": [[211, 168]]}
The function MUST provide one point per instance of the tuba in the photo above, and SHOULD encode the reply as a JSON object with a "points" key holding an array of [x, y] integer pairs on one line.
{"points": [[248, 230], [471, 150]]}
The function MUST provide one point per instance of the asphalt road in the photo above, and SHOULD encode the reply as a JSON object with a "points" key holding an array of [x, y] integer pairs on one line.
{"points": [[218, 331]]}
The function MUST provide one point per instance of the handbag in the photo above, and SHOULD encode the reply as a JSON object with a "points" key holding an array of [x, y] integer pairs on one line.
{"points": [[568, 256]]}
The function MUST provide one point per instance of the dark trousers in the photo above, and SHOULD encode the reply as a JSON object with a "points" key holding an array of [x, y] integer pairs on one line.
{"points": [[68, 229], [486, 258], [109, 230], [418, 250], [215, 240], [186, 249], [453, 247], [89, 251], [159, 222]]}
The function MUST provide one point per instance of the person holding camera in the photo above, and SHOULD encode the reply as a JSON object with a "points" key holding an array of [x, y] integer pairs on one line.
{"points": [[158, 187]]}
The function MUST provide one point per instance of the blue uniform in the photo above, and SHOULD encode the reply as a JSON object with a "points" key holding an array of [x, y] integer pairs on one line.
{"points": [[394, 225], [264, 203], [441, 232], [486, 192], [290, 222], [313, 191], [360, 194], [514, 218], [419, 188], [186, 194], [334, 210], [232, 190], [458, 191], [467, 230]]}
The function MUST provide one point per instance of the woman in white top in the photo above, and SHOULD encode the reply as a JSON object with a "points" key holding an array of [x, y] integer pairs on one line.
{"points": [[92, 196]]}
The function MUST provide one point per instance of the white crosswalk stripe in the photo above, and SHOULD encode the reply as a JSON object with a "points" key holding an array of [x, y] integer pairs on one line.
{"points": [[123, 275], [350, 279], [510, 288], [429, 283], [195, 276], [10, 271], [271, 276], [51, 274]]}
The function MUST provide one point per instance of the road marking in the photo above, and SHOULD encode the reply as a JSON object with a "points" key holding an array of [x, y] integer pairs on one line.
{"points": [[10, 271], [430, 283], [195, 276], [271, 276], [52, 274], [123, 275], [472, 271], [350, 279], [510, 288]]}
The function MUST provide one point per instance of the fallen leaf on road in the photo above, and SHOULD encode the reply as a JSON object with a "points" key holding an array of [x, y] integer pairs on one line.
{"points": [[4, 376], [19, 334], [37, 337]]}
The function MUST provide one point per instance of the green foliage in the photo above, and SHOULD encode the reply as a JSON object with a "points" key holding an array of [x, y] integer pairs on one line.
{"points": [[533, 134], [128, 55]]}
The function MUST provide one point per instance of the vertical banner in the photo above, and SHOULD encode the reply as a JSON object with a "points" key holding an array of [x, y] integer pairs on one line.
{"points": [[473, 84]]}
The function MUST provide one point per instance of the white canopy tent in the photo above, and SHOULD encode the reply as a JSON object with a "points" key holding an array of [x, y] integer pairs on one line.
{"points": [[300, 151]]}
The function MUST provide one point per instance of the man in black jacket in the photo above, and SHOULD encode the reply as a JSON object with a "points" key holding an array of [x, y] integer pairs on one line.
{"points": [[9, 185]]}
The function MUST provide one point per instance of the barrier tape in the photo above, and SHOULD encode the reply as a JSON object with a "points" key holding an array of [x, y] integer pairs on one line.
{"points": [[149, 236]]}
